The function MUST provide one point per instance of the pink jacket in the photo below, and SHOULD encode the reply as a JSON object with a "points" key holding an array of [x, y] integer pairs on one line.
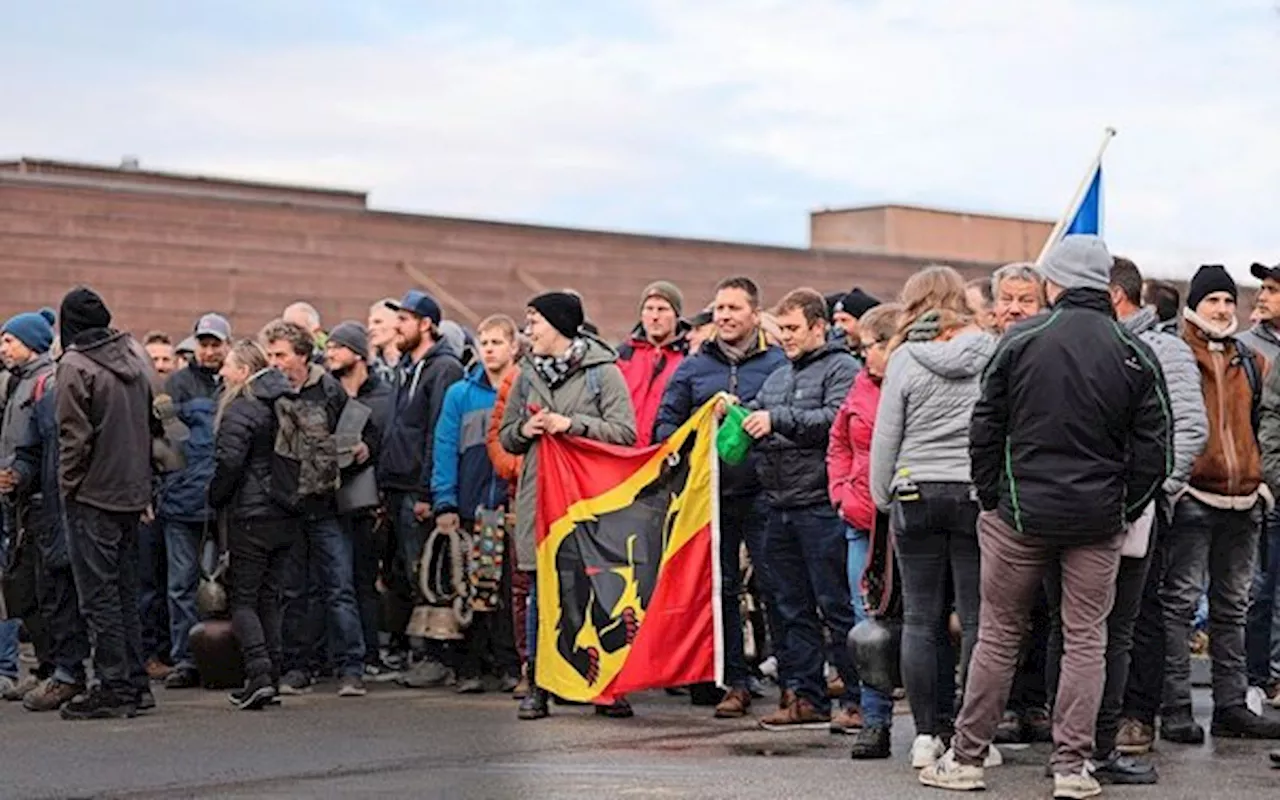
{"points": [[849, 454]]}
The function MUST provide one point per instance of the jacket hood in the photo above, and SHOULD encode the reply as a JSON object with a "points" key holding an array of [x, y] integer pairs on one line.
{"points": [[1141, 321], [31, 367], [114, 352], [1080, 297], [679, 342], [477, 376], [269, 385], [598, 352], [315, 374], [964, 356]]}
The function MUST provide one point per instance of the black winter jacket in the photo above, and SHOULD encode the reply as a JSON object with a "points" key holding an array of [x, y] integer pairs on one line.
{"points": [[1072, 436], [802, 399], [243, 447], [405, 464]]}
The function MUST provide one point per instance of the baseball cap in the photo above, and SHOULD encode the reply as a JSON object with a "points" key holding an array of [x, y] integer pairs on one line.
{"points": [[419, 303], [214, 325], [1262, 272]]}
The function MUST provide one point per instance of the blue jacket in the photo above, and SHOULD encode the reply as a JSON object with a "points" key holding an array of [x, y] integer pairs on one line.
{"points": [[698, 379], [462, 476], [36, 463], [184, 494], [405, 462]]}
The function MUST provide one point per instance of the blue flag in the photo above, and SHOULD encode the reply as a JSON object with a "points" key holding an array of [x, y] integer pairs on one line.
{"points": [[1088, 216]]}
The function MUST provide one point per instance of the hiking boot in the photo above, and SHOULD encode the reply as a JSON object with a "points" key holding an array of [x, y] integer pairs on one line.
{"points": [[146, 701], [182, 678], [1121, 770], [1037, 725], [948, 773], [801, 715], [1181, 728], [470, 686], [352, 686], [535, 705], [157, 670], [99, 704], [295, 682], [872, 742], [1238, 722], [1076, 785], [522, 689], [425, 675], [18, 689], [620, 709], [51, 695], [1009, 730], [256, 695], [1135, 738], [736, 704], [926, 750], [377, 673], [847, 720]]}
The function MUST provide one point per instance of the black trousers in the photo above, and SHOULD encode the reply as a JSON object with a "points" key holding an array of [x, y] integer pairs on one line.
{"points": [[259, 551], [367, 543], [490, 645]]}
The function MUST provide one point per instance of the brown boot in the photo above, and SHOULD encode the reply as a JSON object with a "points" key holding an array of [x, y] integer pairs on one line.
{"points": [[735, 704], [1134, 737], [799, 716], [51, 695]]}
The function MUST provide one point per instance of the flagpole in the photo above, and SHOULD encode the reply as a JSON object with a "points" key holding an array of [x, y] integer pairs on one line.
{"points": [[1065, 219]]}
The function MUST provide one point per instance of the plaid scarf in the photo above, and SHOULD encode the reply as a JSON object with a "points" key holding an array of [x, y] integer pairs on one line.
{"points": [[556, 369]]}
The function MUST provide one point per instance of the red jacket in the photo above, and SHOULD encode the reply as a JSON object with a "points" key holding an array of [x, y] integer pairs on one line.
{"points": [[849, 454], [647, 369]]}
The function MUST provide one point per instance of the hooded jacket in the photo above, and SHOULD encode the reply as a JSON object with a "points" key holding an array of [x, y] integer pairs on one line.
{"points": [[183, 494], [647, 368], [1228, 473], [105, 423], [1262, 339], [406, 460], [20, 409], [244, 446], [603, 417], [701, 377], [36, 463], [926, 400], [1072, 435], [849, 454], [1186, 402], [802, 399], [463, 478]]}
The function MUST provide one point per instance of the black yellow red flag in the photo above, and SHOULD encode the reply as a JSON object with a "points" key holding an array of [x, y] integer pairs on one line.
{"points": [[628, 566]]}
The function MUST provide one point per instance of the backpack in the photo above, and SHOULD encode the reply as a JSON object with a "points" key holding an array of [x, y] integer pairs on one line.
{"points": [[304, 462], [1249, 363]]}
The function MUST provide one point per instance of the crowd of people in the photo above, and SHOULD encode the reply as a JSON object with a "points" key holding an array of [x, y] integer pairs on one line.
{"points": [[1067, 459]]}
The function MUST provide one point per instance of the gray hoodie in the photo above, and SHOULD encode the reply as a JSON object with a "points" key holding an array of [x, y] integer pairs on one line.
{"points": [[926, 400]]}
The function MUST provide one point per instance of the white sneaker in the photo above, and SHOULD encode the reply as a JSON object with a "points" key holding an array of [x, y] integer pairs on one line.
{"points": [[994, 759], [769, 667], [926, 750], [947, 773], [1076, 786]]}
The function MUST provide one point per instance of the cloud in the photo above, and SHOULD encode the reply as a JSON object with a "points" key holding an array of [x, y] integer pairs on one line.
{"points": [[722, 118]]}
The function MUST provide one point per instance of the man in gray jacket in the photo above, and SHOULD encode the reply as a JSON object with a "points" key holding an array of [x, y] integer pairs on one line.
{"points": [[805, 546]]}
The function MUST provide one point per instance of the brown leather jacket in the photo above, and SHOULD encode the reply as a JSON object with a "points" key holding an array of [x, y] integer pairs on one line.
{"points": [[1231, 464]]}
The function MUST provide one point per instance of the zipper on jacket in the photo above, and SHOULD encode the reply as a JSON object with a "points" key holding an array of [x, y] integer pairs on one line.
{"points": [[733, 380]]}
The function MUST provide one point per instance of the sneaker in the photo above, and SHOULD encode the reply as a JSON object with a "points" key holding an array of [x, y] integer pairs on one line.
{"points": [[352, 686], [99, 704], [847, 720], [1076, 785], [948, 773], [801, 715], [146, 701], [377, 673], [182, 678], [1135, 738], [870, 743], [925, 750], [18, 689], [470, 686], [1238, 722], [522, 689], [51, 695], [1121, 770], [157, 670], [1009, 730], [620, 709], [1181, 728], [295, 682], [425, 675], [994, 757], [537, 705], [736, 704], [256, 695]]}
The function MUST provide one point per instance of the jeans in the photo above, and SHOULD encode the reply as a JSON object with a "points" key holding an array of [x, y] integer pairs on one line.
{"points": [[877, 708], [1013, 568], [935, 538], [859, 543], [59, 606], [531, 621], [104, 559], [806, 553], [410, 536], [1146, 661], [9, 648], [1131, 579], [182, 546], [1225, 542], [322, 559], [153, 607], [743, 520], [366, 543], [1262, 640], [259, 554]]}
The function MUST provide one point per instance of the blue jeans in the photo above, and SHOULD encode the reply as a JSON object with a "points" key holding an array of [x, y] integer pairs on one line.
{"points": [[153, 610], [743, 520], [806, 553], [1263, 631], [531, 619], [182, 544], [410, 536], [877, 708], [859, 543], [9, 648], [325, 551]]}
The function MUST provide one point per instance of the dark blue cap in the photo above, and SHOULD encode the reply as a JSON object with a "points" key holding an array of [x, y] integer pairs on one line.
{"points": [[419, 303]]}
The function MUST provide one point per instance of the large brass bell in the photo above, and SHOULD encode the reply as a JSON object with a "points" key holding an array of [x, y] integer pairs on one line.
{"points": [[434, 622]]}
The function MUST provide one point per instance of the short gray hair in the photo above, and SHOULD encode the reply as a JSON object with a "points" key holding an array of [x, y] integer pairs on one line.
{"points": [[307, 310], [1017, 271]]}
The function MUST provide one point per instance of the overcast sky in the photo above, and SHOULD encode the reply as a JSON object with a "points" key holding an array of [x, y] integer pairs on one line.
{"points": [[727, 119]]}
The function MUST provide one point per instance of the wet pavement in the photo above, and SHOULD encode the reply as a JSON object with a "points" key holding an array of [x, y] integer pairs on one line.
{"points": [[435, 744]]}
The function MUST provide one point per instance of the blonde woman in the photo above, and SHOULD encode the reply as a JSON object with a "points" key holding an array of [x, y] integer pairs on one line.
{"points": [[920, 474], [260, 531]]}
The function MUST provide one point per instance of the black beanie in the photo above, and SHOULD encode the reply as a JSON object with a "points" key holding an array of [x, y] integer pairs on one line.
{"points": [[82, 310], [1209, 279], [562, 310], [857, 303]]}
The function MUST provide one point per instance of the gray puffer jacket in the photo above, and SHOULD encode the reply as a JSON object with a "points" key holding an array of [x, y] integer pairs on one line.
{"points": [[802, 399], [926, 401], [1182, 375], [604, 415]]}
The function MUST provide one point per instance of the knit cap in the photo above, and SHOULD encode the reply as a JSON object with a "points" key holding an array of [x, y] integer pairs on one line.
{"points": [[1079, 261]]}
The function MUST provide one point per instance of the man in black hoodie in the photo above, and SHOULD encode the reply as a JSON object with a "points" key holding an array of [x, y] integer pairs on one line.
{"points": [[105, 427]]}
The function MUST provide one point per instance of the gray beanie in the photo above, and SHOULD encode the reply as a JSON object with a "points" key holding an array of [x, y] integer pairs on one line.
{"points": [[353, 336], [1079, 261]]}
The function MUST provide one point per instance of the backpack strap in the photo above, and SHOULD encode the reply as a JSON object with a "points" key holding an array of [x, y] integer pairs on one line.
{"points": [[593, 383], [38, 393], [1249, 363]]}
